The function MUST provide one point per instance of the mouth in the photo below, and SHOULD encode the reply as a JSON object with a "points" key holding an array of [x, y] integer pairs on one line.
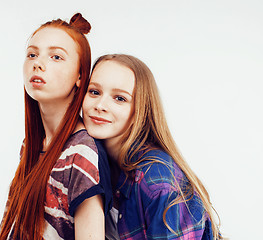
{"points": [[98, 120], [37, 80]]}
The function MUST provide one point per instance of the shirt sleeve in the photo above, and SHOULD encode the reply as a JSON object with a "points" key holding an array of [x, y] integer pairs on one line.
{"points": [[83, 176], [89, 177]]}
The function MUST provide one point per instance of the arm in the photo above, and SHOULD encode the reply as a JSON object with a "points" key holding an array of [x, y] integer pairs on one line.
{"points": [[89, 219]]}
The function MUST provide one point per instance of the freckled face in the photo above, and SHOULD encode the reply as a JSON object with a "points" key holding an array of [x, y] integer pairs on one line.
{"points": [[108, 104], [51, 67]]}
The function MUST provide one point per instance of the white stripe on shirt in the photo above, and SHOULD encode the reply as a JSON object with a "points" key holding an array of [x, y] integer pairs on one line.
{"points": [[56, 213], [84, 151], [50, 232], [58, 185]]}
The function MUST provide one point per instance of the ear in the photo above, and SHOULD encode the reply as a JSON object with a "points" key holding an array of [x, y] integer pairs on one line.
{"points": [[78, 81]]}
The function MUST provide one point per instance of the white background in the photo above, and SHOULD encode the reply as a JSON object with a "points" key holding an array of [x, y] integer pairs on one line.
{"points": [[207, 58]]}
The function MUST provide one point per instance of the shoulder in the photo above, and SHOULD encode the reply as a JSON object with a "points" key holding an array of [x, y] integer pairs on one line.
{"points": [[81, 143], [158, 172], [158, 164], [81, 138], [79, 149]]}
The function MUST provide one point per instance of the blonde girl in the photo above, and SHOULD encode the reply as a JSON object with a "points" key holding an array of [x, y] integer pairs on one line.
{"points": [[156, 194]]}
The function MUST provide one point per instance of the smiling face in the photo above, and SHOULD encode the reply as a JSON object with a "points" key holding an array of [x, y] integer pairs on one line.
{"points": [[108, 104], [51, 67]]}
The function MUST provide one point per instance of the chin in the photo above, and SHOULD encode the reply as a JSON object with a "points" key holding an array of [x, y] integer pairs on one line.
{"points": [[95, 134]]}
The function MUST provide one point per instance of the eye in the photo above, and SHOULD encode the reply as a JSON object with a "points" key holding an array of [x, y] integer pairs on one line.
{"points": [[120, 99], [31, 55], [57, 57], [93, 92]]}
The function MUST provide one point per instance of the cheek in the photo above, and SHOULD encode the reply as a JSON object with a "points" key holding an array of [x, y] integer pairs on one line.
{"points": [[74, 73], [126, 116], [73, 66], [25, 69], [87, 102], [85, 111]]}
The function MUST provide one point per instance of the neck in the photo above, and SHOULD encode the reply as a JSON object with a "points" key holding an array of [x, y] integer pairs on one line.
{"points": [[52, 115], [113, 148]]}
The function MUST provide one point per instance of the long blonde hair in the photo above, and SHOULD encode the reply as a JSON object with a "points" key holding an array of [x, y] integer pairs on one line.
{"points": [[150, 126]]}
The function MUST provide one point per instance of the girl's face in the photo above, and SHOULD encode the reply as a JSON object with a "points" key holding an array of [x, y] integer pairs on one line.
{"points": [[51, 67], [108, 104]]}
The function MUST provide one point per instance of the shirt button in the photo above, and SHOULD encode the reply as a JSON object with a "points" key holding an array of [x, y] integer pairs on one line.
{"points": [[120, 216], [117, 193]]}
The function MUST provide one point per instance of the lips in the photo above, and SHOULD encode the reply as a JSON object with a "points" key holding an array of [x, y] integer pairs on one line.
{"points": [[98, 120], [37, 79]]}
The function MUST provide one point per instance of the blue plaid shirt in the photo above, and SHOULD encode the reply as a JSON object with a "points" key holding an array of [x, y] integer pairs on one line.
{"points": [[146, 193]]}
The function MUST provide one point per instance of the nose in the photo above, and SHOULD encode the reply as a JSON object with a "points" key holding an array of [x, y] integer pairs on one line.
{"points": [[38, 65], [101, 105]]}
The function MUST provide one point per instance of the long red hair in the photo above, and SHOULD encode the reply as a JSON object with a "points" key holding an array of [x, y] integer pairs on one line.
{"points": [[25, 206]]}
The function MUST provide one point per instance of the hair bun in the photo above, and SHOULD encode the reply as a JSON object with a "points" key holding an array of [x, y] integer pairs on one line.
{"points": [[80, 23]]}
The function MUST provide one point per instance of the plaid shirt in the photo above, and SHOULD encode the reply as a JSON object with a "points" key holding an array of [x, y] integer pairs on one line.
{"points": [[146, 193]]}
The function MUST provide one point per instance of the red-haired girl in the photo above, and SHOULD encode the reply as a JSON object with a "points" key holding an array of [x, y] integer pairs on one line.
{"points": [[156, 194], [60, 187]]}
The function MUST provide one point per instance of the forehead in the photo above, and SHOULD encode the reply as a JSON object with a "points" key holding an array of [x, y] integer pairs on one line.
{"points": [[109, 73], [51, 36]]}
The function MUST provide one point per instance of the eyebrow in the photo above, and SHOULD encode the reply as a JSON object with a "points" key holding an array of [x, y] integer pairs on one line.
{"points": [[114, 89], [51, 48], [121, 90]]}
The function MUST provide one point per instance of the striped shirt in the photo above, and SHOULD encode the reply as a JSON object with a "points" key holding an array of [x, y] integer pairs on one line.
{"points": [[74, 178], [147, 192], [82, 171]]}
